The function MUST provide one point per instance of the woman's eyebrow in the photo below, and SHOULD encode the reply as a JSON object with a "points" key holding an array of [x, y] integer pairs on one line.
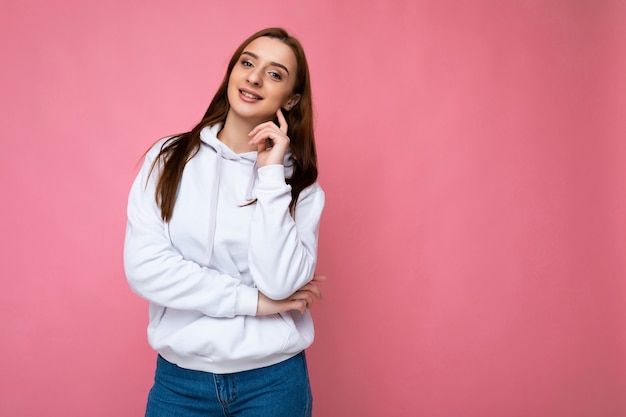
{"points": [[276, 64]]}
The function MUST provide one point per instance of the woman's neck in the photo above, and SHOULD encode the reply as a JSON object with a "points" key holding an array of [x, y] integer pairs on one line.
{"points": [[234, 134]]}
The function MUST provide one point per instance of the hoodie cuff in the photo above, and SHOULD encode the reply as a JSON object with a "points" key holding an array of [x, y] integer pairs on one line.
{"points": [[272, 175], [247, 301]]}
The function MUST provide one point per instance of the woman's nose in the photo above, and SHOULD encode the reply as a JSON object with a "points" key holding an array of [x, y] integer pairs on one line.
{"points": [[254, 77]]}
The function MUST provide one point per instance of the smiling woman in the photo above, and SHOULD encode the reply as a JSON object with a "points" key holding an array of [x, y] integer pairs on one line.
{"points": [[213, 243]]}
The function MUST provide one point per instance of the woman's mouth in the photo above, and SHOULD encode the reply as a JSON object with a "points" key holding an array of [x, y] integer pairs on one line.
{"points": [[249, 95]]}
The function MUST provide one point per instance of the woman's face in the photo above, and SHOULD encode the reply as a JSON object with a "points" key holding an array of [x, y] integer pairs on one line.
{"points": [[262, 80]]}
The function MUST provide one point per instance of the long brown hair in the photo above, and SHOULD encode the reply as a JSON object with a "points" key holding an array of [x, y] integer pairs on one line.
{"points": [[179, 149]]}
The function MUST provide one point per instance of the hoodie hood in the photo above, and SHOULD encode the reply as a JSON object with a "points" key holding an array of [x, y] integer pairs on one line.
{"points": [[208, 136]]}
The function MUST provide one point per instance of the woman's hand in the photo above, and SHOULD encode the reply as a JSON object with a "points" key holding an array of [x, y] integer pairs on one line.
{"points": [[300, 300], [267, 134]]}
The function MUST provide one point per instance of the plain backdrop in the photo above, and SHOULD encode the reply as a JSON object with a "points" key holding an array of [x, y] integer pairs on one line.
{"points": [[474, 159]]}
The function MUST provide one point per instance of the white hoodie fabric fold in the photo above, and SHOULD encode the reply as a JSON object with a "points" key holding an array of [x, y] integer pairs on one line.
{"points": [[202, 271]]}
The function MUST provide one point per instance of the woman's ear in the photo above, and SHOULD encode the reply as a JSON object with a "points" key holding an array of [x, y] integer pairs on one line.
{"points": [[291, 103]]}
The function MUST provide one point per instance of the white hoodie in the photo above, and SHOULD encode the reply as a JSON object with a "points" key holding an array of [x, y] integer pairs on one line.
{"points": [[202, 271]]}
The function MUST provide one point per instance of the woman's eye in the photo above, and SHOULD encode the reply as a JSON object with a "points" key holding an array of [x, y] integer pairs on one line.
{"points": [[275, 75], [246, 63]]}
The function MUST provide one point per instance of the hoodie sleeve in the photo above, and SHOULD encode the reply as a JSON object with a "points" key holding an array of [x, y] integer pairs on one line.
{"points": [[157, 272], [283, 250]]}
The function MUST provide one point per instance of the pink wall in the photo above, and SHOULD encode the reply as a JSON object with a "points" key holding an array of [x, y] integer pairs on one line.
{"points": [[474, 158]]}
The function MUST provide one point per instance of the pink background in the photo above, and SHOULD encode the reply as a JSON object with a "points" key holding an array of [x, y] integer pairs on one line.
{"points": [[474, 159]]}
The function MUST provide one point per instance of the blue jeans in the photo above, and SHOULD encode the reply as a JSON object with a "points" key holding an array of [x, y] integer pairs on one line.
{"points": [[280, 390]]}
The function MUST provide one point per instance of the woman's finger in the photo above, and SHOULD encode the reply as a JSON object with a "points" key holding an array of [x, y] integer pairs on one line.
{"points": [[282, 122], [303, 296], [262, 126], [312, 289], [268, 133]]}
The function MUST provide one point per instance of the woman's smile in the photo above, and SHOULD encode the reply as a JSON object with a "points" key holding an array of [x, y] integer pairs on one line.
{"points": [[249, 94]]}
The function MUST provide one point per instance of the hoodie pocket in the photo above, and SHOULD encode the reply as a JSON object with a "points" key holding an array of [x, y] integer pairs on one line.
{"points": [[156, 318], [286, 326]]}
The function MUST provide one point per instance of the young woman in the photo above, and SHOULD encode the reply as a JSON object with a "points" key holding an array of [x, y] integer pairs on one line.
{"points": [[222, 241]]}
